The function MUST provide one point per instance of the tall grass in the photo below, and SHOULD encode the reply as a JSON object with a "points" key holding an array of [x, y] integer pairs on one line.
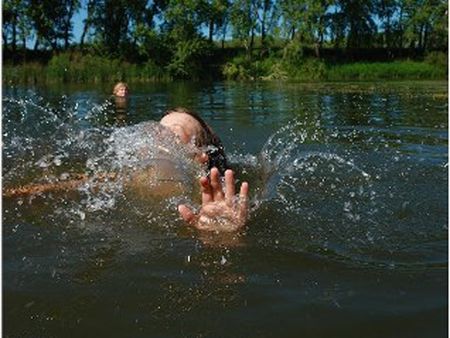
{"points": [[309, 69], [78, 68], [29, 72], [396, 70]]}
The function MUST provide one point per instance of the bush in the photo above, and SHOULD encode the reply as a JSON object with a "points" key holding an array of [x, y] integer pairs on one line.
{"points": [[306, 70], [300, 67], [239, 68], [262, 68], [242, 68], [151, 70], [190, 58], [59, 66], [293, 53], [233, 71], [277, 72], [439, 59]]}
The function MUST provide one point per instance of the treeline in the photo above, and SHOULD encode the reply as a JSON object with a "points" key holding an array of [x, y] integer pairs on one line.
{"points": [[233, 38]]}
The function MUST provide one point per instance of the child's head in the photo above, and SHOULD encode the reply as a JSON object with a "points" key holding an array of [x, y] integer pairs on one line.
{"points": [[120, 89], [188, 125]]}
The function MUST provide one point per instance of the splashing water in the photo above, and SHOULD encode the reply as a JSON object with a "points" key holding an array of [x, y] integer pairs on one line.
{"points": [[310, 191], [106, 157], [348, 223], [317, 199]]}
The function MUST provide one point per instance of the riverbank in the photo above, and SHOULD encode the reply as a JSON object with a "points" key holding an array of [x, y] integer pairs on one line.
{"points": [[77, 68]]}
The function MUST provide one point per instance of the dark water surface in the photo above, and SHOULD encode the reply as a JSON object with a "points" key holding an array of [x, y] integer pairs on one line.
{"points": [[348, 235]]}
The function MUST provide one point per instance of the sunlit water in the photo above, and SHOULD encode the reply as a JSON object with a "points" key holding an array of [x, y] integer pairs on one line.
{"points": [[347, 234]]}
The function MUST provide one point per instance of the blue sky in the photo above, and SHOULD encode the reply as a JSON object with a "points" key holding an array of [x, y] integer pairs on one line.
{"points": [[78, 23]]}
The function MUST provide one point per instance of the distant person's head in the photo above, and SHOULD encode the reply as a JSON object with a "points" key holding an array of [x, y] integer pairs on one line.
{"points": [[121, 89], [190, 127]]}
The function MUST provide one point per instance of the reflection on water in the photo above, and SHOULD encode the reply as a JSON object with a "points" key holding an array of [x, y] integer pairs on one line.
{"points": [[348, 222]]}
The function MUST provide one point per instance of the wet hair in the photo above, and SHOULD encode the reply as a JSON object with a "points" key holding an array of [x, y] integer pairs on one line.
{"points": [[208, 139]]}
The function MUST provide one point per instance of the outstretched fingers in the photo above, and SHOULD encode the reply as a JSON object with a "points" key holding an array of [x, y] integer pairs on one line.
{"points": [[206, 190], [220, 210], [229, 187], [186, 214], [216, 185], [243, 202]]}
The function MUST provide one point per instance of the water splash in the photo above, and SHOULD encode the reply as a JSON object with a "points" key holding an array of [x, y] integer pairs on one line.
{"points": [[59, 146], [342, 192], [319, 198]]}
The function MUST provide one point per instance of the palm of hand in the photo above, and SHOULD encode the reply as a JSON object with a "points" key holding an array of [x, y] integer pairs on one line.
{"points": [[221, 210]]}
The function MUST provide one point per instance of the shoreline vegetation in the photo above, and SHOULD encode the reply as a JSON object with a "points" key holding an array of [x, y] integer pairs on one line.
{"points": [[279, 40], [74, 67]]}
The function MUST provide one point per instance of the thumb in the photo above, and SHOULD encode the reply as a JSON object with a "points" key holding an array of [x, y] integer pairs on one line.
{"points": [[186, 214]]}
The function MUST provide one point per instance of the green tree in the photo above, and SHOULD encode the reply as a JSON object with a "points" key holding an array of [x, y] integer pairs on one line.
{"points": [[422, 19], [307, 22], [16, 23], [359, 22], [88, 22], [69, 9], [244, 18], [183, 19], [438, 23], [292, 16], [337, 29], [315, 18], [216, 13], [182, 28], [52, 20], [111, 24], [267, 17], [387, 12]]}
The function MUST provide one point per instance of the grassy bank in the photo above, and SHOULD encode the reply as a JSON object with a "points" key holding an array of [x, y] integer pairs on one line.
{"points": [[81, 69], [77, 68], [397, 70], [432, 67]]}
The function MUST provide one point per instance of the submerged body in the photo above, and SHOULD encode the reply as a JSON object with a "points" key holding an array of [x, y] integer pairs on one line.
{"points": [[164, 160], [144, 159]]}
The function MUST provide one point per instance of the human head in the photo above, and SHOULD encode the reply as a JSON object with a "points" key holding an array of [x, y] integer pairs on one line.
{"points": [[120, 89], [188, 125]]}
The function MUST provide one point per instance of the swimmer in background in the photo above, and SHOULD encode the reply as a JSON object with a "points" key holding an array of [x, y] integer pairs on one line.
{"points": [[222, 210], [121, 92]]}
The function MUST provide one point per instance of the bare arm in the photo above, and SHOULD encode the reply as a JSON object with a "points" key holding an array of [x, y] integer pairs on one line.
{"points": [[67, 185]]}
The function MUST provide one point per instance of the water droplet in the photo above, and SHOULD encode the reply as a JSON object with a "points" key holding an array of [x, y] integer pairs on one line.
{"points": [[64, 176], [57, 161]]}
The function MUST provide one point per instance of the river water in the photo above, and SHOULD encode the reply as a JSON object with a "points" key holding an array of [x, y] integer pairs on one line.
{"points": [[348, 230]]}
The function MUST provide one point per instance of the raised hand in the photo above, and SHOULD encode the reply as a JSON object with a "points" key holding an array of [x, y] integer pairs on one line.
{"points": [[221, 210]]}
